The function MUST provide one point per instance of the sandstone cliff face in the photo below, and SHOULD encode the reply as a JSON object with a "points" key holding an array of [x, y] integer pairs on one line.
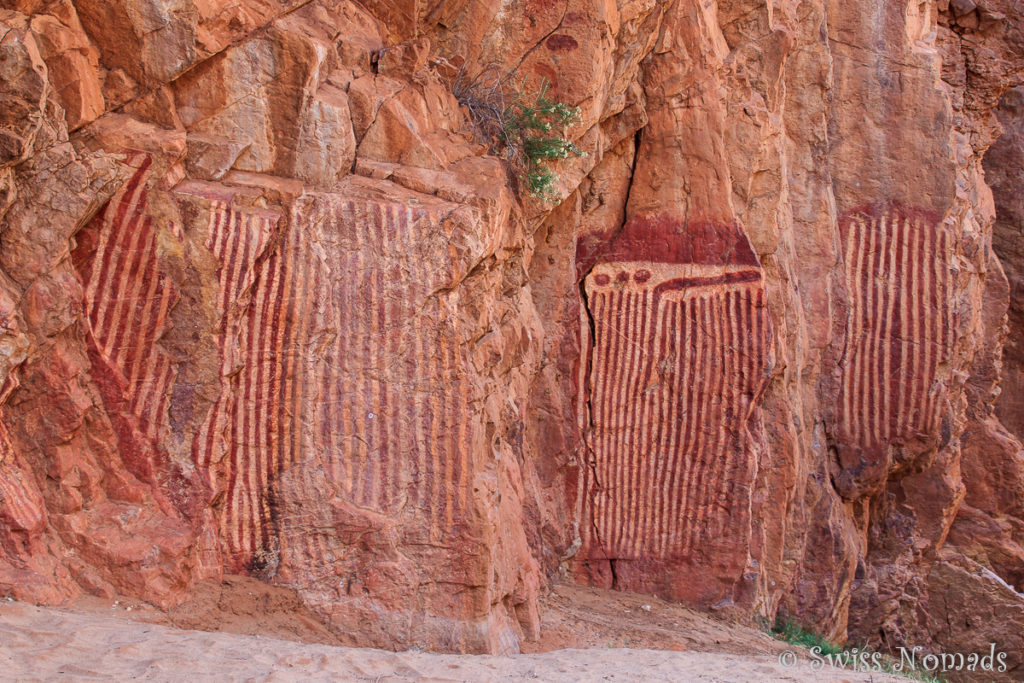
{"points": [[1005, 155], [268, 305]]}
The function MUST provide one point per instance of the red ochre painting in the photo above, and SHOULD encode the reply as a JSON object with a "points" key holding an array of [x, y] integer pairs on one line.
{"points": [[21, 505], [900, 328], [242, 445], [127, 300], [678, 357], [325, 364], [335, 360]]}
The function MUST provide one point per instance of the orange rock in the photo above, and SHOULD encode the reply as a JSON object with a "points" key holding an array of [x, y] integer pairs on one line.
{"points": [[268, 304], [72, 63]]}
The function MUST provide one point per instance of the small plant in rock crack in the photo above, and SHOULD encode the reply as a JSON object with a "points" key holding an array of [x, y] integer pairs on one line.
{"points": [[528, 127], [538, 125]]}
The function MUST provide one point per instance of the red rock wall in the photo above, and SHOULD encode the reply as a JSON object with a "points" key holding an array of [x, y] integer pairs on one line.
{"points": [[269, 305], [1001, 162]]}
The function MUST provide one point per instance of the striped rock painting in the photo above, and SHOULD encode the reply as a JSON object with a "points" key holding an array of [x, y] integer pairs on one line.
{"points": [[21, 505], [126, 305], [328, 375], [899, 328], [391, 395], [240, 445], [678, 356], [387, 383]]}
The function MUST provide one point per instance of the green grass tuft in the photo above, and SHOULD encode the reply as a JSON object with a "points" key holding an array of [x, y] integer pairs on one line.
{"points": [[793, 633]]}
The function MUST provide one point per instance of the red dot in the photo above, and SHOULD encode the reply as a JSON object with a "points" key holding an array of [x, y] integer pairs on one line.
{"points": [[602, 279], [642, 275], [623, 276]]}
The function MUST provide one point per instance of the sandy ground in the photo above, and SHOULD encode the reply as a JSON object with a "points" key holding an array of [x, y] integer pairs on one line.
{"points": [[627, 637], [579, 617]]}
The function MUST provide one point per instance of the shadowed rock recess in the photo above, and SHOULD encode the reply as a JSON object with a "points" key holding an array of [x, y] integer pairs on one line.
{"points": [[269, 305]]}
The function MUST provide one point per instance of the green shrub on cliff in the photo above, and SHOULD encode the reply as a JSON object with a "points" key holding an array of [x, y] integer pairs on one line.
{"points": [[538, 125], [529, 127]]}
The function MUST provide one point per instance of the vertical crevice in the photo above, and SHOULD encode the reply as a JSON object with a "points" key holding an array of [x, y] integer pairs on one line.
{"points": [[637, 138], [589, 462]]}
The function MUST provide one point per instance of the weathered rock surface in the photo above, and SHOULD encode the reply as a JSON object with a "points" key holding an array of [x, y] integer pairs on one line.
{"points": [[1001, 173], [268, 305]]}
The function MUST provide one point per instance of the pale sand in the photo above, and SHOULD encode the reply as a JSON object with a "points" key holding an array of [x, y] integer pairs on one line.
{"points": [[41, 644]]}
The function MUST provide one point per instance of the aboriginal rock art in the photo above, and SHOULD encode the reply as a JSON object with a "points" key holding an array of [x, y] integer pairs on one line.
{"points": [[127, 299], [678, 355], [322, 365], [391, 392], [126, 304], [240, 445], [21, 505], [899, 328]]}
